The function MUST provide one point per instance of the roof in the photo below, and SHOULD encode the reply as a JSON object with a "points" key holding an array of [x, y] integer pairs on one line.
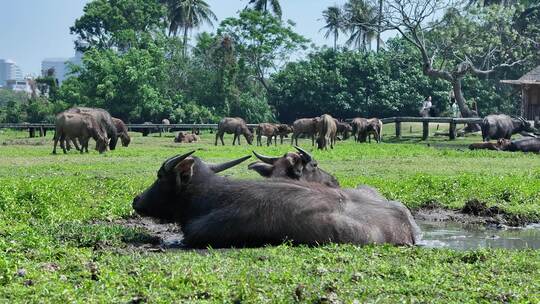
{"points": [[532, 77]]}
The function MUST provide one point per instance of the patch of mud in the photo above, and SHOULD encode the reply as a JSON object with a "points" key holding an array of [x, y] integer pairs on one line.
{"points": [[474, 212], [163, 235], [27, 142]]}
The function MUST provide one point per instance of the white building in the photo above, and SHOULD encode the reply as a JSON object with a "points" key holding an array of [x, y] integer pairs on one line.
{"points": [[9, 70], [60, 66]]}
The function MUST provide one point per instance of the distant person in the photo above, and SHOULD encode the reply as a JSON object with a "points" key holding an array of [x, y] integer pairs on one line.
{"points": [[426, 107], [455, 109]]}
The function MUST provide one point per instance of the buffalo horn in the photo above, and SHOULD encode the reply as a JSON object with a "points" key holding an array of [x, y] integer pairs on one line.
{"points": [[304, 154], [266, 159], [224, 166], [173, 161]]}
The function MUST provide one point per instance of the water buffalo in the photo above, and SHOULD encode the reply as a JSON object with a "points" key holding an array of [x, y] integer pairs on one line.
{"points": [[165, 121], [298, 166], [374, 128], [184, 137], [283, 131], [360, 128], [236, 126], [266, 129], [526, 144], [104, 119], [344, 129], [220, 212], [326, 128], [307, 126], [503, 126], [75, 126], [122, 131]]}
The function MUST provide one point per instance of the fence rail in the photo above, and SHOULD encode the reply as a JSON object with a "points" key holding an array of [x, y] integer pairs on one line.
{"points": [[146, 128]]}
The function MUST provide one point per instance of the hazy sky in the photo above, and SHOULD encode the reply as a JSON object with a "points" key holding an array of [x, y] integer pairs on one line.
{"points": [[32, 30]]}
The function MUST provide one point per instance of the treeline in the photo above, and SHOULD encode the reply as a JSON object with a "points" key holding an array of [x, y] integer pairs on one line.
{"points": [[140, 65]]}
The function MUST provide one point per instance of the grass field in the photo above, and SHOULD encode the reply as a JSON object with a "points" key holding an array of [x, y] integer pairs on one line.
{"points": [[61, 241]]}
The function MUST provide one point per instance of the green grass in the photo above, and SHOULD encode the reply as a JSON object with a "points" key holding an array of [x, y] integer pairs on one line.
{"points": [[58, 212]]}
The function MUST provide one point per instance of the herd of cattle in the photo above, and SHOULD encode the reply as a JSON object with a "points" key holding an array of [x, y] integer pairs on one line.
{"points": [[77, 125], [324, 129]]}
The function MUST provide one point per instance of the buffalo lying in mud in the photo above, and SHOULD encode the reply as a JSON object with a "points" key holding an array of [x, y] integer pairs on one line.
{"points": [[526, 144], [78, 127], [298, 166], [327, 129], [122, 131], [220, 212], [306, 126], [104, 119], [266, 129], [236, 126], [503, 126], [184, 137]]}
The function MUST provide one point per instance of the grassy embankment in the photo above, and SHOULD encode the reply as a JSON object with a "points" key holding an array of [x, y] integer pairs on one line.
{"points": [[56, 228]]}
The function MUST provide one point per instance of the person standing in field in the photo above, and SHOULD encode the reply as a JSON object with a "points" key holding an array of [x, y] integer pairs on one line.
{"points": [[455, 109], [426, 107]]}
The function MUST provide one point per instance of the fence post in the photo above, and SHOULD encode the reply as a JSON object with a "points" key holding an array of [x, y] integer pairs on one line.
{"points": [[41, 131], [398, 128], [32, 132], [425, 130], [452, 130]]}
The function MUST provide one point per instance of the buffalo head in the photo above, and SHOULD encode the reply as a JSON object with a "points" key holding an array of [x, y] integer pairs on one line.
{"points": [[299, 166], [174, 184]]}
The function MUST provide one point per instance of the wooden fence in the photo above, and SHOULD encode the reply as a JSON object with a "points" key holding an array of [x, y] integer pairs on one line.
{"points": [[41, 128]]}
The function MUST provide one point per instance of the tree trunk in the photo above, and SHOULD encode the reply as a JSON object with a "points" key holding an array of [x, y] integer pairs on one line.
{"points": [[463, 108], [379, 25], [185, 39]]}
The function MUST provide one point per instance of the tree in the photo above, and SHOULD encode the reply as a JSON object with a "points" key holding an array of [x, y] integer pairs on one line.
{"points": [[119, 23], [361, 18], [333, 17], [262, 6], [466, 41], [262, 41], [187, 15]]}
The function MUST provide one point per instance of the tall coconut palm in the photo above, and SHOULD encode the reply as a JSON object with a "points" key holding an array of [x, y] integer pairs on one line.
{"points": [[188, 14], [262, 5], [361, 22], [333, 17]]}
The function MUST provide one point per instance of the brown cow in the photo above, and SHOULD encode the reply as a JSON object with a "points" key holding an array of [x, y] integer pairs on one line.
{"points": [[73, 126], [236, 126], [122, 131], [307, 126], [184, 137], [266, 129], [326, 128], [283, 131], [104, 119]]}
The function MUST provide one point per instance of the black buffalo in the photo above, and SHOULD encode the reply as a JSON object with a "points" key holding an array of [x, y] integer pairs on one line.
{"points": [[503, 126]]}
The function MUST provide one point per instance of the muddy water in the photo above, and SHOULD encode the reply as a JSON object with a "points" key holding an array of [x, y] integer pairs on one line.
{"points": [[461, 236]]}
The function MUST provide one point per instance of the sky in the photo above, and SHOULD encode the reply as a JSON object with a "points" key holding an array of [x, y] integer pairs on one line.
{"points": [[32, 30]]}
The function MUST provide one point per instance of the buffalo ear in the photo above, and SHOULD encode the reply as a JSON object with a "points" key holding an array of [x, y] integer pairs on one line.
{"points": [[184, 170], [262, 168]]}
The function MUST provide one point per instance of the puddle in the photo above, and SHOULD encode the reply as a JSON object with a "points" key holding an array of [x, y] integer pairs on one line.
{"points": [[462, 236]]}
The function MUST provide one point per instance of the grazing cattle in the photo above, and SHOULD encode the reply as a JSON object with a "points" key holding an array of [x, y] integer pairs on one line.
{"points": [[326, 128], [236, 126], [165, 121], [360, 128], [526, 144], [503, 126], [283, 130], [298, 166], [266, 129], [375, 129], [220, 212], [306, 126], [184, 137], [122, 131], [344, 129], [75, 126], [104, 119]]}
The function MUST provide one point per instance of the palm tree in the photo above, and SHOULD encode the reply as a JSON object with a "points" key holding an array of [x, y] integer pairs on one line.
{"points": [[333, 16], [187, 15], [361, 21], [262, 6]]}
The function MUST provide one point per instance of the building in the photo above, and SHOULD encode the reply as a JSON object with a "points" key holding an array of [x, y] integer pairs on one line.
{"points": [[9, 70], [60, 66], [24, 85], [530, 93]]}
